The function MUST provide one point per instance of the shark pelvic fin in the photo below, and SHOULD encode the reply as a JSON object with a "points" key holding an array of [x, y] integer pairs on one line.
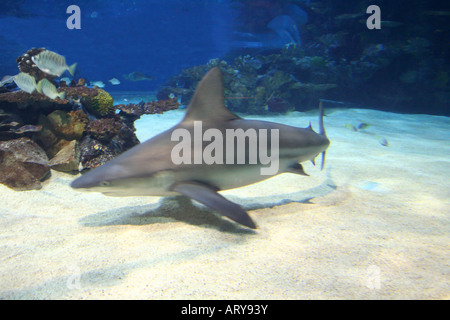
{"points": [[323, 160], [208, 195], [297, 168], [208, 102]]}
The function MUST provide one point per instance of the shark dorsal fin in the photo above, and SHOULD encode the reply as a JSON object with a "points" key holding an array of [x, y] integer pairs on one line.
{"points": [[208, 102]]}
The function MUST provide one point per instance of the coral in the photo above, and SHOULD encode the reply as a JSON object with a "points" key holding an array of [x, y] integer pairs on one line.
{"points": [[94, 153], [68, 125], [100, 105], [161, 106], [27, 65], [104, 129], [277, 104], [59, 128], [9, 123], [130, 111], [254, 81], [34, 128], [153, 107], [28, 107]]}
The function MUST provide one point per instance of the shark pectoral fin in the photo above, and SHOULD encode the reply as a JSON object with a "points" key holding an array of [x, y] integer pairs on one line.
{"points": [[208, 195], [297, 168]]}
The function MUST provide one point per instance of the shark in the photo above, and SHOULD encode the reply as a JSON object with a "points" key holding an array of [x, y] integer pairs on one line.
{"points": [[148, 169]]}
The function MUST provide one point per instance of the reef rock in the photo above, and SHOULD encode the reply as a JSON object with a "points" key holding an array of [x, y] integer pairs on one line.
{"points": [[277, 104], [23, 164], [105, 139], [67, 159], [94, 153], [69, 125], [257, 85], [153, 107], [30, 106], [26, 65], [59, 128], [104, 129]]}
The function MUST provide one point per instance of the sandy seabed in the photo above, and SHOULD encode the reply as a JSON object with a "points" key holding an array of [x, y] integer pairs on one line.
{"points": [[373, 225]]}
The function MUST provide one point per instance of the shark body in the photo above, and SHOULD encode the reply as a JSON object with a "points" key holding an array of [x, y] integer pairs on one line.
{"points": [[148, 169]]}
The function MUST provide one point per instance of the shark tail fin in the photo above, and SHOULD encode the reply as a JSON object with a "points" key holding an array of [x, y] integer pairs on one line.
{"points": [[322, 132]]}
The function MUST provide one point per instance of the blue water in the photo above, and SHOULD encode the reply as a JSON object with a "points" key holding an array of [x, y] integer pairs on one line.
{"points": [[403, 66], [158, 38]]}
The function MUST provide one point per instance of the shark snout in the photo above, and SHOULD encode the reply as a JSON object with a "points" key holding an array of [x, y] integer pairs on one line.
{"points": [[85, 183], [78, 184]]}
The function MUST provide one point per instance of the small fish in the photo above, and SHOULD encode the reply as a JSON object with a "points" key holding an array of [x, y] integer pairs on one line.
{"points": [[52, 63], [348, 16], [332, 101], [137, 76], [437, 13], [351, 127], [390, 24], [383, 142], [11, 124], [46, 87], [385, 23], [99, 84], [6, 80], [114, 81], [25, 82], [28, 128], [363, 126]]}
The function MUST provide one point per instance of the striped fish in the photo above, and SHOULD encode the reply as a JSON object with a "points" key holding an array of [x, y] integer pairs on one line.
{"points": [[52, 63], [25, 82], [46, 87]]}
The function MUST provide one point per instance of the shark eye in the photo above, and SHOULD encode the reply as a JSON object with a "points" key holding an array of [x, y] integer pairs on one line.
{"points": [[105, 183]]}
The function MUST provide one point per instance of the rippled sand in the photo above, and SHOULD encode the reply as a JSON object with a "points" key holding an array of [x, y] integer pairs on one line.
{"points": [[373, 225]]}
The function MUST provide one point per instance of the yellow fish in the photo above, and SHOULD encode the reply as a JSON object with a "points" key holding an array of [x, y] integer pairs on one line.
{"points": [[46, 87], [25, 82]]}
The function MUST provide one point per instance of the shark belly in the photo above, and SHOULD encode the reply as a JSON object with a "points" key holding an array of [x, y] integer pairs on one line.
{"points": [[231, 176]]}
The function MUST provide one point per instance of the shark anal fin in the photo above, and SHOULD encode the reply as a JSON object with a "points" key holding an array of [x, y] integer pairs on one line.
{"points": [[297, 168], [208, 195]]}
